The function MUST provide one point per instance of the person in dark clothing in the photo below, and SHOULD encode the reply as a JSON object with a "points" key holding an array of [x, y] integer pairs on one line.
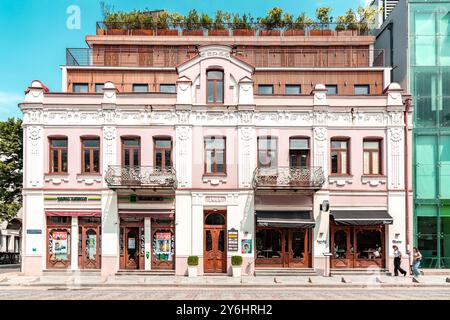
{"points": [[397, 262]]}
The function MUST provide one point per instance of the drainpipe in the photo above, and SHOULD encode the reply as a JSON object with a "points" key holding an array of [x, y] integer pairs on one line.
{"points": [[407, 209]]}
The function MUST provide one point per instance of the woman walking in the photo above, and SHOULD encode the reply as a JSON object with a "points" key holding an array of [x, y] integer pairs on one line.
{"points": [[417, 257], [397, 261]]}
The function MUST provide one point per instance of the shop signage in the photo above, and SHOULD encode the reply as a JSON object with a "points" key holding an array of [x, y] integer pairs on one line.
{"points": [[71, 198], [233, 240], [34, 231], [215, 199]]}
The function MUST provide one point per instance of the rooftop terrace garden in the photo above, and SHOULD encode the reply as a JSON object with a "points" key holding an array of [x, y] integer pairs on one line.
{"points": [[222, 23]]}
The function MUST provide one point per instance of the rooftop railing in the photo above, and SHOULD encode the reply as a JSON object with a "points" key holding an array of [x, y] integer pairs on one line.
{"points": [[171, 56], [311, 178], [231, 29], [141, 177]]}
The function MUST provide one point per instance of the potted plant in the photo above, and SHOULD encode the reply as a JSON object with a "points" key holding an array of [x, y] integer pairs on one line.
{"points": [[271, 22], [220, 25], [236, 265], [163, 22], [366, 18], [192, 25], [141, 24], [296, 28], [114, 23], [192, 262], [324, 18], [243, 26]]}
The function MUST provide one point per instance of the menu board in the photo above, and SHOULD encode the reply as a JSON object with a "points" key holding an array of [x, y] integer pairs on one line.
{"points": [[233, 240]]}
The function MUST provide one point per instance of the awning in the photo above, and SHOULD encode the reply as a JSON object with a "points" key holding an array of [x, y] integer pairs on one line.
{"points": [[361, 217], [153, 213], [285, 219], [61, 213]]}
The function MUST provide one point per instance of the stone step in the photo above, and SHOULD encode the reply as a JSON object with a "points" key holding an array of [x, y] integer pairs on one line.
{"points": [[84, 273], [436, 272], [145, 273], [358, 271], [285, 272]]}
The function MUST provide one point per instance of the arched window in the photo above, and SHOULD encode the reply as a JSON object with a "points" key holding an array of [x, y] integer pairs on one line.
{"points": [[214, 86], [215, 219]]}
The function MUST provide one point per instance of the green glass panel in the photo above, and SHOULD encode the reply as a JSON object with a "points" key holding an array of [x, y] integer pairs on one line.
{"points": [[445, 212], [424, 23], [444, 158], [444, 50], [445, 241], [426, 211], [425, 90], [445, 110], [426, 167]]}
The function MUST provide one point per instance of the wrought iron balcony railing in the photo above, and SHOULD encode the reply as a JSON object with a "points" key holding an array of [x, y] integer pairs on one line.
{"points": [[141, 177], [288, 178]]}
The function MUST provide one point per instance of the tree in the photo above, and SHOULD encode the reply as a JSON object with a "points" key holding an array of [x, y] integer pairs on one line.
{"points": [[11, 164]]}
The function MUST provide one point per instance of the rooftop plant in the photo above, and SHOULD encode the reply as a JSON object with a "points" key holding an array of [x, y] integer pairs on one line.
{"points": [[273, 19]]}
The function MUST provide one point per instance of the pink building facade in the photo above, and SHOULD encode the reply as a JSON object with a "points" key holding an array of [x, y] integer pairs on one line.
{"points": [[141, 181]]}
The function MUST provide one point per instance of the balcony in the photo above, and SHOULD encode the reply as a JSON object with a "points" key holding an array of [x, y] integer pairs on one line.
{"points": [[171, 56], [288, 178], [124, 177]]}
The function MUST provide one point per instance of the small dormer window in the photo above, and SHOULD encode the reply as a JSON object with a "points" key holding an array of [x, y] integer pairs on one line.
{"points": [[214, 86]]}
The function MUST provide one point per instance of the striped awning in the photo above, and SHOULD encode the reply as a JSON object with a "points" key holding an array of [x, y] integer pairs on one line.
{"points": [[78, 213]]}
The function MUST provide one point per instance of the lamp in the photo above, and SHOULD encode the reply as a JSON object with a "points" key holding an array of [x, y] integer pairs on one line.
{"points": [[325, 206]]}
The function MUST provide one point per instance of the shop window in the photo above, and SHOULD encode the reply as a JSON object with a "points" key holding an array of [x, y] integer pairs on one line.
{"points": [[372, 157], [58, 155], [426, 167], [131, 151], [292, 89], [90, 152], [340, 156], [215, 161], [340, 244], [140, 87], [163, 153], [267, 152], [215, 86], [368, 244], [265, 89], [163, 245], [427, 239], [298, 152], [99, 87], [332, 89], [361, 89], [268, 243], [59, 245], [167, 88], [80, 87]]}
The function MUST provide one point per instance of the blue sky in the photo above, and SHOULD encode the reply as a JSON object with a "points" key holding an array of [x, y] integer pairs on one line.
{"points": [[34, 34]]}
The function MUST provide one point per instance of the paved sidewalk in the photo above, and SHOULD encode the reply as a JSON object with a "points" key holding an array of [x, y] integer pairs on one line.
{"points": [[14, 279]]}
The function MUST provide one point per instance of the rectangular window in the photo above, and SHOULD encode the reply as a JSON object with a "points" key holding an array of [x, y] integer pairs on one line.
{"points": [[267, 152], [99, 87], [167, 88], [90, 150], [331, 89], [361, 89], [140, 87], [163, 153], [265, 89], [214, 80], [292, 89], [215, 155], [131, 151], [372, 157], [298, 152], [339, 156], [58, 155], [80, 87]]}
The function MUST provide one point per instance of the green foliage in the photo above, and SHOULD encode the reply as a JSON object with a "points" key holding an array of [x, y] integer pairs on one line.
{"points": [[192, 261], [236, 260], [244, 22], [221, 19], [303, 21], [11, 164], [206, 21], [273, 19], [192, 20], [350, 20], [323, 15]]}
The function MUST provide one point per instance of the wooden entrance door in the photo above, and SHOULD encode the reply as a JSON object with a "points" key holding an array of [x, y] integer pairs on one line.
{"points": [[132, 248], [89, 250], [215, 254], [297, 248]]}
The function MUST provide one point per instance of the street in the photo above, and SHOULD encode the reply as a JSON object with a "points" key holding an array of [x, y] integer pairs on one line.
{"points": [[237, 294]]}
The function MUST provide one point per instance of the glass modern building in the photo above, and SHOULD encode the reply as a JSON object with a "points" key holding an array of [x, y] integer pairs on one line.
{"points": [[429, 79]]}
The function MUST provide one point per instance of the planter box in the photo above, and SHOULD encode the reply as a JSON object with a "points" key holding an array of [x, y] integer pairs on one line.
{"points": [[192, 32], [347, 32], [142, 32], [237, 271], [114, 32], [294, 33], [266, 33], [192, 271], [324, 33], [223, 33], [243, 32], [166, 32]]}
